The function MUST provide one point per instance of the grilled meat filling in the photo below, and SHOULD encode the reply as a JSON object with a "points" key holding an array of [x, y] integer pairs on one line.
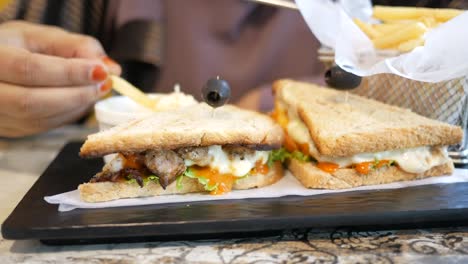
{"points": [[126, 173], [233, 151], [165, 164], [198, 155]]}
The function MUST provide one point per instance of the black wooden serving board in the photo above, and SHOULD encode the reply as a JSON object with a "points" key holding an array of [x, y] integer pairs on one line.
{"points": [[33, 218]]}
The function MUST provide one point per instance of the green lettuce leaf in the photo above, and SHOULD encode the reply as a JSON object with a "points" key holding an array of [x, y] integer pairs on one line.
{"points": [[376, 162], [300, 156], [242, 177], [152, 178], [130, 179], [282, 154], [179, 182], [278, 155]]}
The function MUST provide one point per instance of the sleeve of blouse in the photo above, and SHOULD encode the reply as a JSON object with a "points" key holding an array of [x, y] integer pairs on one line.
{"points": [[138, 41]]}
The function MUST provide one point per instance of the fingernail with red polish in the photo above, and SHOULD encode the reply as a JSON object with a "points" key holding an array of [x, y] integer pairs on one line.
{"points": [[99, 74], [108, 61], [105, 87]]}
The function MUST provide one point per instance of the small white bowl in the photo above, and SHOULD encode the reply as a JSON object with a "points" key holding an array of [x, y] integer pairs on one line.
{"points": [[121, 109]]}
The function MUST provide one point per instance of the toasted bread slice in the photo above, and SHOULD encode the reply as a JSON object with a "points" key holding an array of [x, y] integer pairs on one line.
{"points": [[343, 124], [312, 177], [198, 125], [107, 191]]}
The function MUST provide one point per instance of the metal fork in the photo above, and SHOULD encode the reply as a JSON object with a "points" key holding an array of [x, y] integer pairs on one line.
{"points": [[277, 3]]}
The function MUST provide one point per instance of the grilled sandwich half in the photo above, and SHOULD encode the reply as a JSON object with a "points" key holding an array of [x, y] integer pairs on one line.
{"points": [[335, 140], [193, 149]]}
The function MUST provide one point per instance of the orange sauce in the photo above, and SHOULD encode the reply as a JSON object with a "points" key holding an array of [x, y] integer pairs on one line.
{"points": [[366, 167], [383, 163], [260, 168], [274, 115], [279, 115], [132, 162], [328, 166], [363, 167], [289, 143], [224, 181], [304, 148]]}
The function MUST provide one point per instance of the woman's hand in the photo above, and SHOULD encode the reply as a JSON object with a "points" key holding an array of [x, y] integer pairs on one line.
{"points": [[48, 77]]}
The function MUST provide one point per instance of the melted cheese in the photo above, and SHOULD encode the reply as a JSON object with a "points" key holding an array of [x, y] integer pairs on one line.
{"points": [[236, 165], [116, 164], [413, 160]]}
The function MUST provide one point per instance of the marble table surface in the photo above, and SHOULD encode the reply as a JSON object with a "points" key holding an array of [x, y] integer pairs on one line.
{"points": [[23, 160]]}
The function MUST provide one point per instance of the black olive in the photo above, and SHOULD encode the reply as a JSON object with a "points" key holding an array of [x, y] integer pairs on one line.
{"points": [[216, 92], [340, 79]]}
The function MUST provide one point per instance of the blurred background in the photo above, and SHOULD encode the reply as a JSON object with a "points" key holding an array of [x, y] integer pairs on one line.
{"points": [[160, 43]]}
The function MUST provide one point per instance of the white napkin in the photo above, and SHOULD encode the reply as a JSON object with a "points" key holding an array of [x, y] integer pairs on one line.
{"points": [[286, 186], [443, 57]]}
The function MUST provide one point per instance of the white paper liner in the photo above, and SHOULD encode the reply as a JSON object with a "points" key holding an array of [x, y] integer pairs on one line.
{"points": [[443, 57], [286, 186]]}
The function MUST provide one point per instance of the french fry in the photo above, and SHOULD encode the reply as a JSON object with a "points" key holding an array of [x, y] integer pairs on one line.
{"points": [[410, 31], [403, 27], [387, 13], [444, 15], [390, 25], [367, 28], [385, 29], [430, 22], [410, 44], [125, 88]]}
